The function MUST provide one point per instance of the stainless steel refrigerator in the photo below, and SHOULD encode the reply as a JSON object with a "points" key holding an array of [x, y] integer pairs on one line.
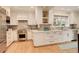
{"points": [[3, 29]]}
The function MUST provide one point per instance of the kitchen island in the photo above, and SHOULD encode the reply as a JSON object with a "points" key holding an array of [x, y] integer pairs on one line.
{"points": [[41, 38]]}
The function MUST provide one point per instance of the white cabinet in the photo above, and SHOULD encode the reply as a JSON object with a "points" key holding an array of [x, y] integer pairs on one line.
{"points": [[42, 15], [15, 35], [31, 18], [11, 36], [13, 18], [7, 8], [40, 39], [72, 34], [29, 34], [51, 16], [38, 15]]}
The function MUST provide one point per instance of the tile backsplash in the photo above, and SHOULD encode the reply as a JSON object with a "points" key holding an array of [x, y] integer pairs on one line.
{"points": [[33, 27], [22, 25]]}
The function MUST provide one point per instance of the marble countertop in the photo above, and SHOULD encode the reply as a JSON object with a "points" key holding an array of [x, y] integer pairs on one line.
{"points": [[52, 31], [48, 31]]}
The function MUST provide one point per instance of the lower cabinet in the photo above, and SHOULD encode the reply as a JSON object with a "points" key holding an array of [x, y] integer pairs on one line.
{"points": [[29, 35], [37, 39], [11, 36]]}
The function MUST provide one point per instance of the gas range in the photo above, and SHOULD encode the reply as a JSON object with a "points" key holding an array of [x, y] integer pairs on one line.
{"points": [[22, 34]]}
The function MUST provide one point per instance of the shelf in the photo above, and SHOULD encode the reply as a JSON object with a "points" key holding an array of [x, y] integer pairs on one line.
{"points": [[45, 13], [45, 17]]}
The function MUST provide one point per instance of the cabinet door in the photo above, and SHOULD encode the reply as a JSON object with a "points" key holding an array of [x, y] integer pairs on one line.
{"points": [[50, 37], [38, 15], [8, 38], [38, 39], [70, 35], [11, 36], [14, 36], [29, 34]]}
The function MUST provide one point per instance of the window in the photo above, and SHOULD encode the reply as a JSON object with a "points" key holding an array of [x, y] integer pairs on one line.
{"points": [[60, 20]]}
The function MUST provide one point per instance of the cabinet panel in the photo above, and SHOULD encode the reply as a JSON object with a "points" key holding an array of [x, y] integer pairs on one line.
{"points": [[36, 39], [38, 15], [51, 37], [29, 34], [11, 36]]}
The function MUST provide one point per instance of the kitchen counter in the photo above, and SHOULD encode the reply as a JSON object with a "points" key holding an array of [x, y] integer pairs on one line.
{"points": [[46, 31], [11, 36], [51, 37]]}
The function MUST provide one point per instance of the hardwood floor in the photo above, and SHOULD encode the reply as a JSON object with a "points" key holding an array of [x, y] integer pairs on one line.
{"points": [[27, 47]]}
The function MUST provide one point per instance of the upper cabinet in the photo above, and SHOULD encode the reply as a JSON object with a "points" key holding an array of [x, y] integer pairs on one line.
{"points": [[2, 14], [42, 15], [7, 8], [2, 10], [51, 15], [38, 15], [31, 18], [45, 13]]}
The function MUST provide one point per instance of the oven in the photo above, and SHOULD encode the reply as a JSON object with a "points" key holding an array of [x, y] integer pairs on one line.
{"points": [[22, 34]]}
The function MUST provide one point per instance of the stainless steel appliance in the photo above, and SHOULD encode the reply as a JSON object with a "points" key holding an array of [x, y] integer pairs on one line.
{"points": [[2, 30], [22, 34]]}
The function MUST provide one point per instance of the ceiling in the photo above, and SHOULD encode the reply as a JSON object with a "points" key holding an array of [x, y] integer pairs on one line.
{"points": [[32, 8]]}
